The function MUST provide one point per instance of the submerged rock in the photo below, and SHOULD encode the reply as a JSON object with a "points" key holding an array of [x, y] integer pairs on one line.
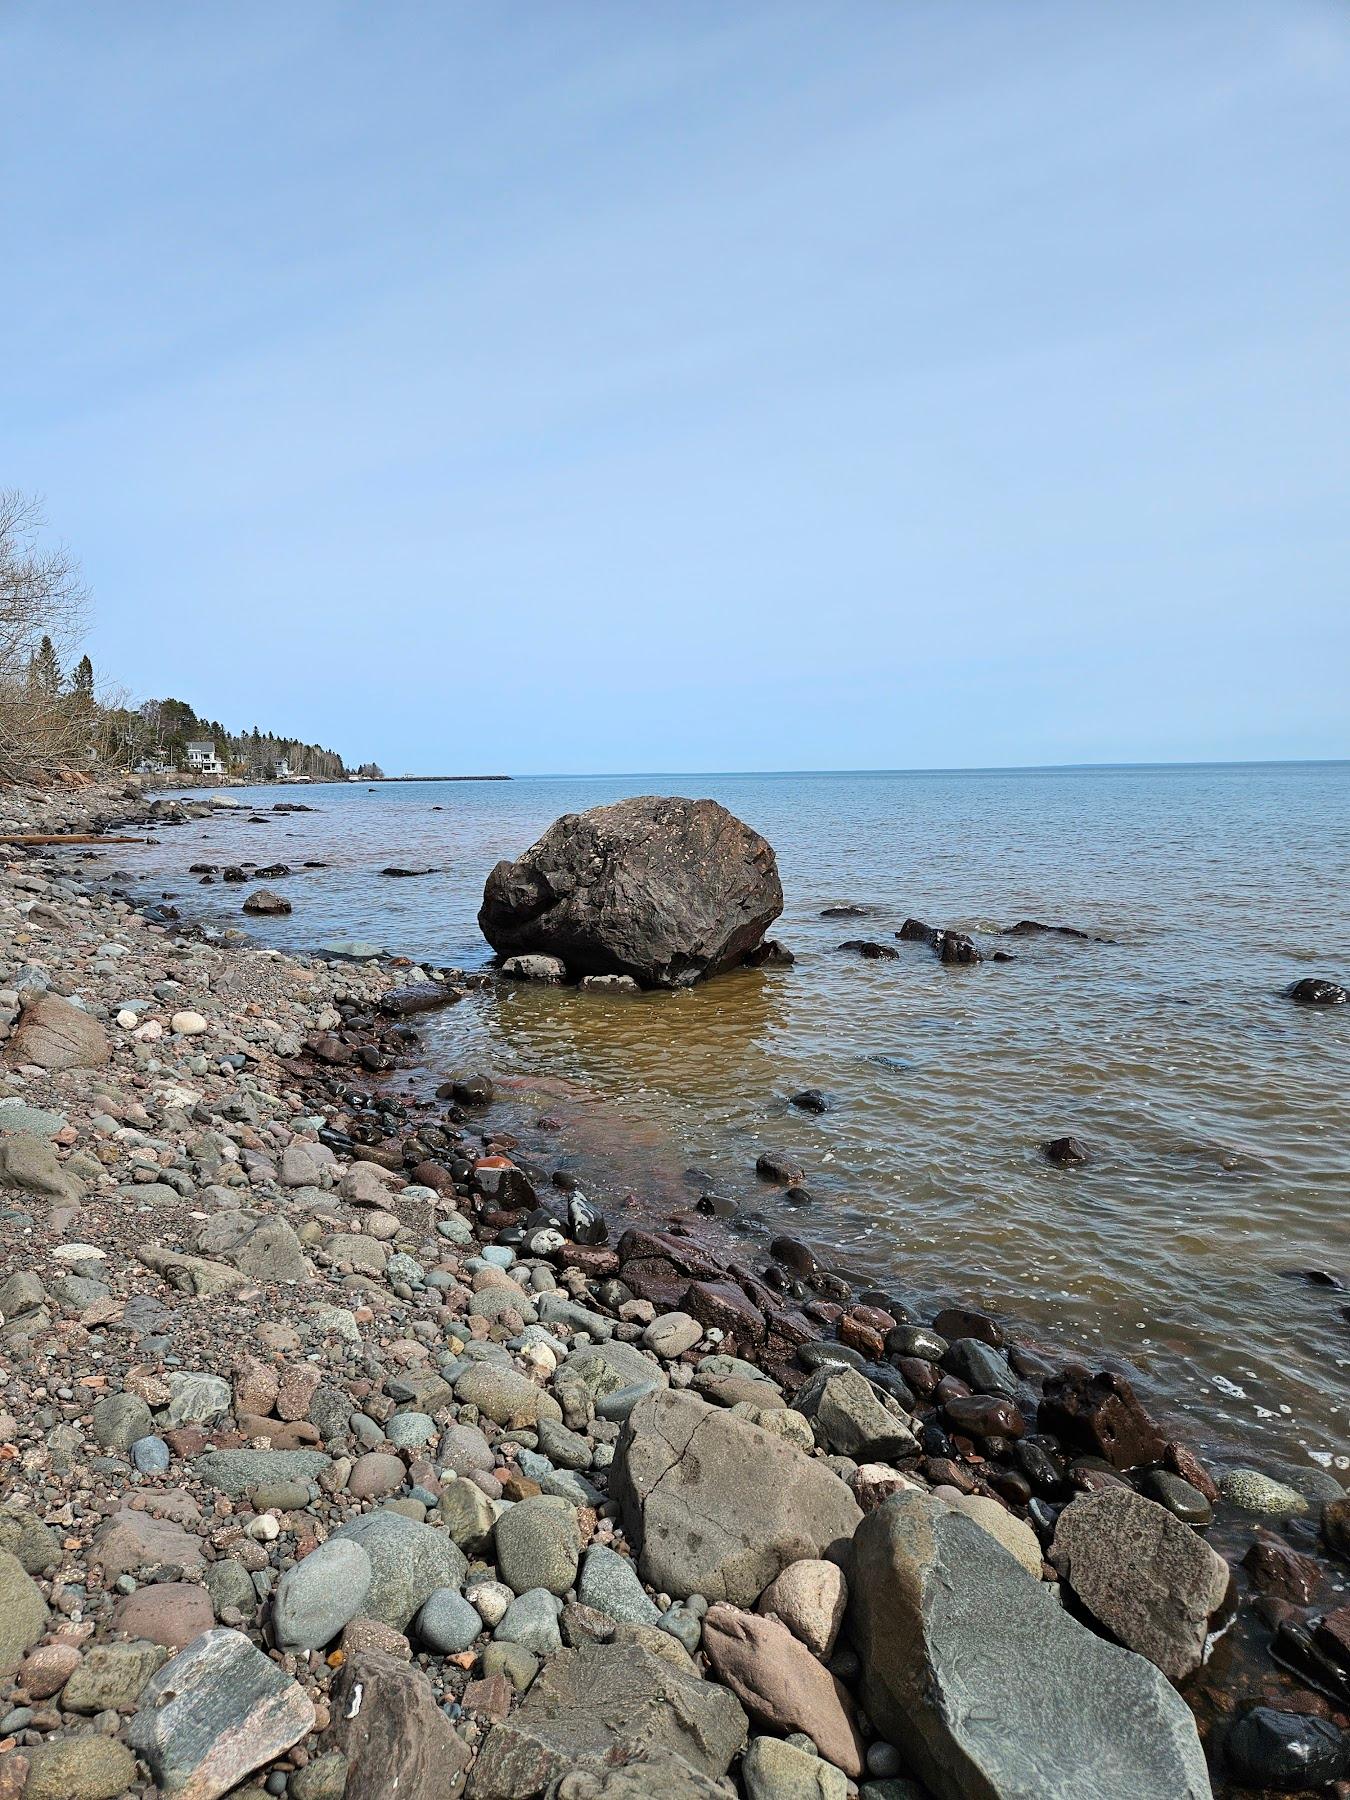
{"points": [[991, 1687], [668, 891], [1314, 991]]}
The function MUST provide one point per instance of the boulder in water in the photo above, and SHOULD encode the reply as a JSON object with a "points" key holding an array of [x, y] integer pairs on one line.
{"points": [[666, 890]]}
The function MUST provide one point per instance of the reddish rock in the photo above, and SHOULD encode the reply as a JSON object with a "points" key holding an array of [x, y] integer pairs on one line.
{"points": [[1274, 1567], [169, 1612], [959, 1321], [1187, 1464], [296, 1390], [780, 1683], [594, 1260], [489, 1698], [722, 1304], [1100, 1414]]}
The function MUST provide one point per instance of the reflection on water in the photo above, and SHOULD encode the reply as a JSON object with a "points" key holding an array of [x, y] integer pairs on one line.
{"points": [[1218, 1113]]}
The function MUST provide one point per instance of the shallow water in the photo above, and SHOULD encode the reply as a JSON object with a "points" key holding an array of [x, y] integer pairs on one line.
{"points": [[1218, 1112]]}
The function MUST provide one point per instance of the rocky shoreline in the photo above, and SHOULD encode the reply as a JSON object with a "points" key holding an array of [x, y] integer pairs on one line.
{"points": [[346, 1451]]}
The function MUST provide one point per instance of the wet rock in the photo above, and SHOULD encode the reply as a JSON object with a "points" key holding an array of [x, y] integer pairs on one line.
{"points": [[550, 970], [1312, 990], [718, 1505], [1289, 1752], [1066, 1152], [1179, 1497], [869, 950], [320, 1594], [990, 1686], [780, 1684], [1143, 1575], [1100, 1414], [264, 902], [955, 947], [665, 890], [394, 1736], [1274, 1567], [215, 1712], [54, 1034], [1254, 1492], [602, 1705], [811, 1100]]}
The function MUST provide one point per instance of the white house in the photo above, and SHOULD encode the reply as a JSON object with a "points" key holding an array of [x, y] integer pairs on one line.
{"points": [[202, 759]]}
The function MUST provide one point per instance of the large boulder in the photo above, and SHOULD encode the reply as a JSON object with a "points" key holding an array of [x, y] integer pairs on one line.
{"points": [[718, 1505], [994, 1690], [664, 890], [603, 1705], [1144, 1576]]}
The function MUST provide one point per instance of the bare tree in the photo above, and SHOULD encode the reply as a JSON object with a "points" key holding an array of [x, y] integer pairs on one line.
{"points": [[42, 606]]}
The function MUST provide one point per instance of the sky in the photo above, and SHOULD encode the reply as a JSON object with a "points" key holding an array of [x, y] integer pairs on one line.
{"points": [[581, 385]]}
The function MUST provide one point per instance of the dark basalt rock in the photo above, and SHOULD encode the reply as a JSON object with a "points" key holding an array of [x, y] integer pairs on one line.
{"points": [[1066, 1152], [1034, 928], [1314, 991], [811, 1100], [264, 901], [1289, 1752], [666, 890], [914, 931], [1100, 1414], [871, 952], [956, 948], [844, 912], [397, 874]]}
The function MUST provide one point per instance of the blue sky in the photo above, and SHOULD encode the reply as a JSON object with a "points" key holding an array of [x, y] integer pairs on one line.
{"points": [[692, 385]]}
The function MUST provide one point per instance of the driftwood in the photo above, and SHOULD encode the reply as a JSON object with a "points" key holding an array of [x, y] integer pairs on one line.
{"points": [[66, 837]]}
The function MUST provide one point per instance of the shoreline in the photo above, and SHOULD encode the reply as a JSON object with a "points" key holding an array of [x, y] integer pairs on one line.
{"points": [[465, 1179]]}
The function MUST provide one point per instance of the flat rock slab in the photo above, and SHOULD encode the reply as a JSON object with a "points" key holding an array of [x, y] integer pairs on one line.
{"points": [[991, 1687], [719, 1505], [601, 1705], [235, 1471], [216, 1712], [781, 1685]]}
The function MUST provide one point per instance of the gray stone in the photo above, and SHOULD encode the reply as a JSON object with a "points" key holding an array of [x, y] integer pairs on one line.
{"points": [[605, 1368], [848, 1418], [1146, 1578], [410, 1430], [447, 1623], [532, 1620], [672, 1334], [1254, 1492], [467, 1514], [23, 1613], [773, 1770], [463, 1449], [568, 1449], [120, 1420], [195, 1398], [505, 1396], [29, 1164], [718, 1505], [235, 1471], [110, 1677], [150, 1454], [989, 1684], [649, 1775], [272, 1252], [601, 1706], [37, 1121], [610, 1584], [317, 1597], [409, 1561], [229, 1584], [36, 1545], [980, 1366], [214, 1713], [537, 1545]]}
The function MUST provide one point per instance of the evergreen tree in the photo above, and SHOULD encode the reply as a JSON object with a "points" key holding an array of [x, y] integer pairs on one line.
{"points": [[44, 671], [82, 682]]}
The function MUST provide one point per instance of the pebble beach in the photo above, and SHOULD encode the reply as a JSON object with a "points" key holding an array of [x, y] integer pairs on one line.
{"points": [[348, 1450]]}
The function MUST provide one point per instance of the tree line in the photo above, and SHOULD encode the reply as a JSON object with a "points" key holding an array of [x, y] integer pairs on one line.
{"points": [[51, 720]]}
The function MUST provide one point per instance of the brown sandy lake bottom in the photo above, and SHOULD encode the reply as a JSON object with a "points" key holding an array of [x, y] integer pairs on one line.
{"points": [[1216, 1110]]}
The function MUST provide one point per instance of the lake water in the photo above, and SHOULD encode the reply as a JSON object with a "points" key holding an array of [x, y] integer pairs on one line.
{"points": [[1218, 1112]]}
